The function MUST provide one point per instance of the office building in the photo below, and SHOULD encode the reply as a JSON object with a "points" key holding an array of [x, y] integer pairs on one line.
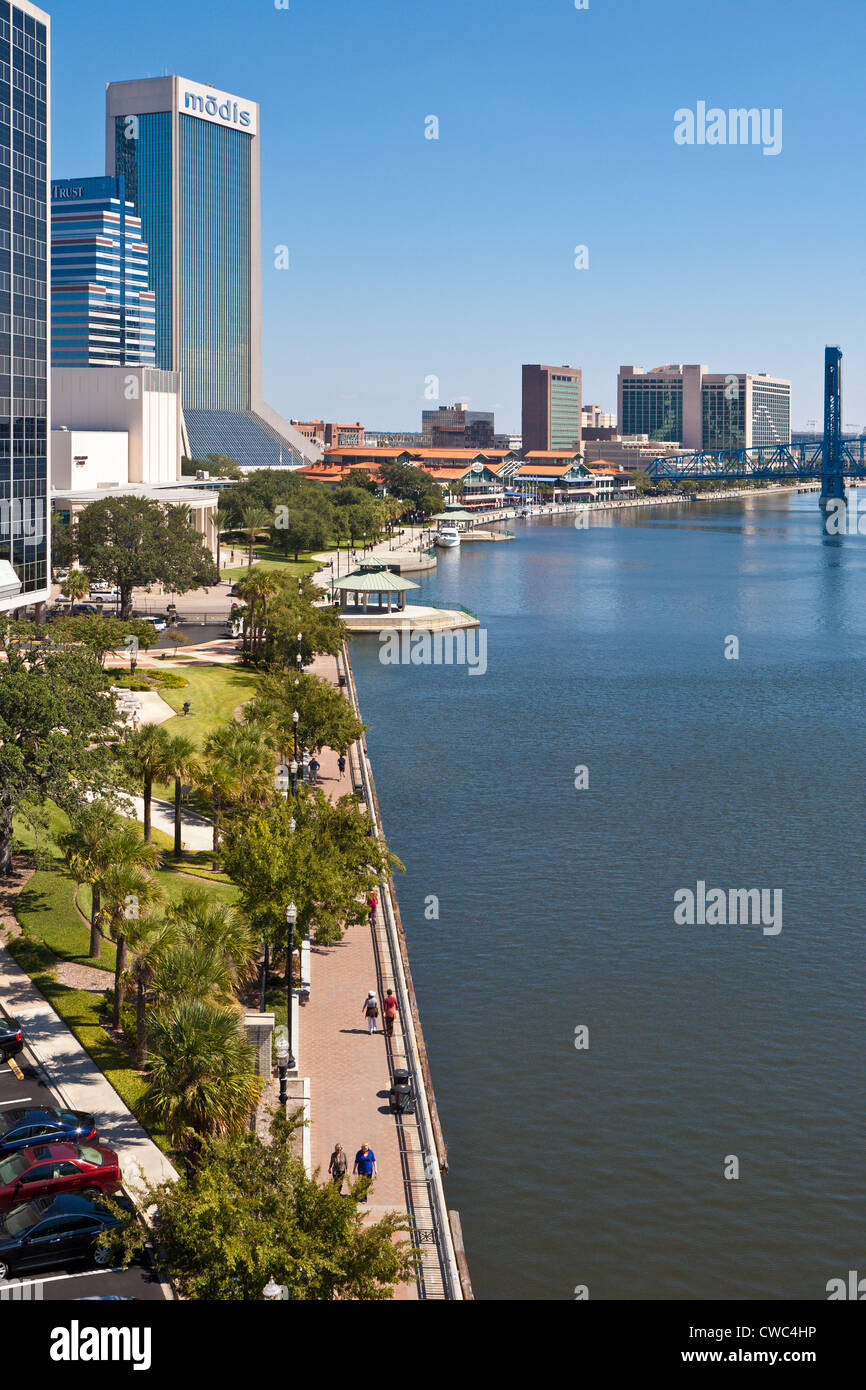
{"points": [[190, 157], [24, 327], [551, 408], [704, 410], [102, 312], [327, 434], [457, 427]]}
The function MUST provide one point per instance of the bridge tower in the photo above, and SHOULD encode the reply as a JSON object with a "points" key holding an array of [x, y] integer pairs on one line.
{"points": [[832, 480]]}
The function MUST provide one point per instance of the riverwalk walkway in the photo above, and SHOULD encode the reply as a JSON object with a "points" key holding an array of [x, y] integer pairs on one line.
{"points": [[349, 1069]]}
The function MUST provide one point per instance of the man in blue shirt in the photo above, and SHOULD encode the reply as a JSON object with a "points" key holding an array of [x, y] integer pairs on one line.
{"points": [[365, 1167]]}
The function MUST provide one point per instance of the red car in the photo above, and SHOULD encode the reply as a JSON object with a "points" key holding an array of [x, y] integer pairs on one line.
{"points": [[47, 1170]]}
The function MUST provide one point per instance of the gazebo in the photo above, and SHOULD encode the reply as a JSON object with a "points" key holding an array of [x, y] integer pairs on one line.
{"points": [[369, 580], [456, 514]]}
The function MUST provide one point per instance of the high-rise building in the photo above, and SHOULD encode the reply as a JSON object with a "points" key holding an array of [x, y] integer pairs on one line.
{"points": [[704, 410], [102, 312], [190, 157], [457, 427], [24, 326], [551, 407]]}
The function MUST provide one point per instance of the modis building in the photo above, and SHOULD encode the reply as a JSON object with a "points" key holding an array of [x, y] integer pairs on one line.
{"points": [[190, 157]]}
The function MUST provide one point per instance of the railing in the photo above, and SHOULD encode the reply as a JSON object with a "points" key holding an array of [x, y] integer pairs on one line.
{"points": [[451, 608]]}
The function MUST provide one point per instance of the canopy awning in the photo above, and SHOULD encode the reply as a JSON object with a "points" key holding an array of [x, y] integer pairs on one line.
{"points": [[375, 582], [457, 514]]}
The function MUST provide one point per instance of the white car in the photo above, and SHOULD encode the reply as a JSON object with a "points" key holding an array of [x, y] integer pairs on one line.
{"points": [[159, 623]]}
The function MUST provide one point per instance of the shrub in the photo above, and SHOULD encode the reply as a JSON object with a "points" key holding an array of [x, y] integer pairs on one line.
{"points": [[172, 680]]}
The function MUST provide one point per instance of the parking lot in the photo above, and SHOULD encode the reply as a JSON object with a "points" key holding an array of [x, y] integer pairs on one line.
{"points": [[79, 1281]]}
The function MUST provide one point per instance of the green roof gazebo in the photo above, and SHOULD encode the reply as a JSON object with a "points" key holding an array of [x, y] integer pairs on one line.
{"points": [[369, 580]]}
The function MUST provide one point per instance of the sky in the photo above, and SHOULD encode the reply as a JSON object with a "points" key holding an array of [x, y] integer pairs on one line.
{"points": [[453, 258]]}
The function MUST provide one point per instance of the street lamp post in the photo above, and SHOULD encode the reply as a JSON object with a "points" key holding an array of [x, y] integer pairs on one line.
{"points": [[293, 769], [291, 919], [295, 718], [282, 1049]]}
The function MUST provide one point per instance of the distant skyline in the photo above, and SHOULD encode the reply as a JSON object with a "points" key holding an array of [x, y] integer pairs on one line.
{"points": [[454, 258]]}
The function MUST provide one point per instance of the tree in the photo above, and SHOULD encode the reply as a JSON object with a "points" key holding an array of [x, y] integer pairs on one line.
{"points": [[146, 753], [408, 481], [254, 518], [178, 638], [76, 586], [220, 927], [149, 940], [102, 634], [291, 612], [181, 760], [127, 890], [250, 1213], [237, 763], [203, 1083], [326, 719], [133, 540], [84, 846], [255, 588], [223, 518], [326, 863], [217, 465], [57, 727], [302, 530], [63, 545]]}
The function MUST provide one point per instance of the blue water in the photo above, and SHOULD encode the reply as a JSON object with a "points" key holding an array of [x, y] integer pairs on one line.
{"points": [[606, 648]]}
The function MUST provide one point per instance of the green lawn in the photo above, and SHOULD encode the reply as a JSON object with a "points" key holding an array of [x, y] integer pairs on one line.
{"points": [[214, 692], [266, 558]]}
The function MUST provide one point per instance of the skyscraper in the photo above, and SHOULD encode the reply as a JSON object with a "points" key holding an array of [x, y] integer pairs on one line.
{"points": [[24, 328], [190, 157], [551, 407], [704, 410], [102, 312]]}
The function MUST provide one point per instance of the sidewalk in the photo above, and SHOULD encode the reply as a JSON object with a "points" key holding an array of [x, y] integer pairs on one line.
{"points": [[76, 1079], [348, 1069]]}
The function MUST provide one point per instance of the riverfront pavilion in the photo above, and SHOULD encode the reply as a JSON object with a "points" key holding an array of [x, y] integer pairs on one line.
{"points": [[357, 590]]}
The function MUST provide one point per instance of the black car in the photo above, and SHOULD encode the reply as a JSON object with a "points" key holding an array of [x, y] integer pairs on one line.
{"points": [[11, 1040], [19, 1128], [53, 1231]]}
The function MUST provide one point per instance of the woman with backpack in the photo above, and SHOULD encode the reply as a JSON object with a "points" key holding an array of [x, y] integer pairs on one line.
{"points": [[371, 1011]]}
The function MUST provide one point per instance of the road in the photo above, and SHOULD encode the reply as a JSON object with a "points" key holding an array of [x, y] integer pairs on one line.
{"points": [[63, 1284]]}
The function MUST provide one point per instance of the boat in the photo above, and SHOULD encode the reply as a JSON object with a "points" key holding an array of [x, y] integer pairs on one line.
{"points": [[447, 534]]}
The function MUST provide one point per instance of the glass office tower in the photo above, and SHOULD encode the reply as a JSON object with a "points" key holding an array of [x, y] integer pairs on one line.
{"points": [[24, 332], [190, 157], [102, 311]]}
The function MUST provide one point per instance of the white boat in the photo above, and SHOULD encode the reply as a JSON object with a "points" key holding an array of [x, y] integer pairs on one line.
{"points": [[447, 534]]}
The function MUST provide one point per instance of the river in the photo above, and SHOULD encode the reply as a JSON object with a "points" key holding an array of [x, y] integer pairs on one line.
{"points": [[710, 1049]]}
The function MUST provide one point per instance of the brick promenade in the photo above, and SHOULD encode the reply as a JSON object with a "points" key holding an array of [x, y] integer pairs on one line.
{"points": [[348, 1069]]}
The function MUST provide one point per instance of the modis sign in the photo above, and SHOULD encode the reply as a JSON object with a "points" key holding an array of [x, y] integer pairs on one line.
{"points": [[220, 108]]}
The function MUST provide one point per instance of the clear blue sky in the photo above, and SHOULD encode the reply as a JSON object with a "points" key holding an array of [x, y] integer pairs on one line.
{"points": [[454, 257]]}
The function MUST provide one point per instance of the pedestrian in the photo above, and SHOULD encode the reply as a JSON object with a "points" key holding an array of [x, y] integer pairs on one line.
{"points": [[365, 1167], [370, 1011], [341, 763], [390, 1010], [372, 904], [337, 1166], [314, 770]]}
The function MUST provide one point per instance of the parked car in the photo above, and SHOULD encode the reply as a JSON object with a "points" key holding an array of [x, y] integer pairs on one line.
{"points": [[11, 1038], [21, 1128], [158, 623], [48, 1170], [82, 610], [52, 1231]]}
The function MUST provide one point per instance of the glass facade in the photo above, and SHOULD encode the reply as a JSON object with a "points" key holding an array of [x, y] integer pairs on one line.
{"points": [[23, 296], [142, 155], [723, 414], [653, 405], [565, 412], [102, 312], [214, 245]]}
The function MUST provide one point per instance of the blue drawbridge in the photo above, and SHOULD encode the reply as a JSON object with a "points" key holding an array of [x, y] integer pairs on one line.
{"points": [[833, 460]]}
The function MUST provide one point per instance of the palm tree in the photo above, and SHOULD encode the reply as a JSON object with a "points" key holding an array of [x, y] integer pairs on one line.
{"points": [[149, 940], [254, 519], [146, 752], [238, 763], [76, 586], [181, 760], [83, 846], [215, 926], [255, 588], [224, 519], [203, 1082], [127, 889], [191, 971]]}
